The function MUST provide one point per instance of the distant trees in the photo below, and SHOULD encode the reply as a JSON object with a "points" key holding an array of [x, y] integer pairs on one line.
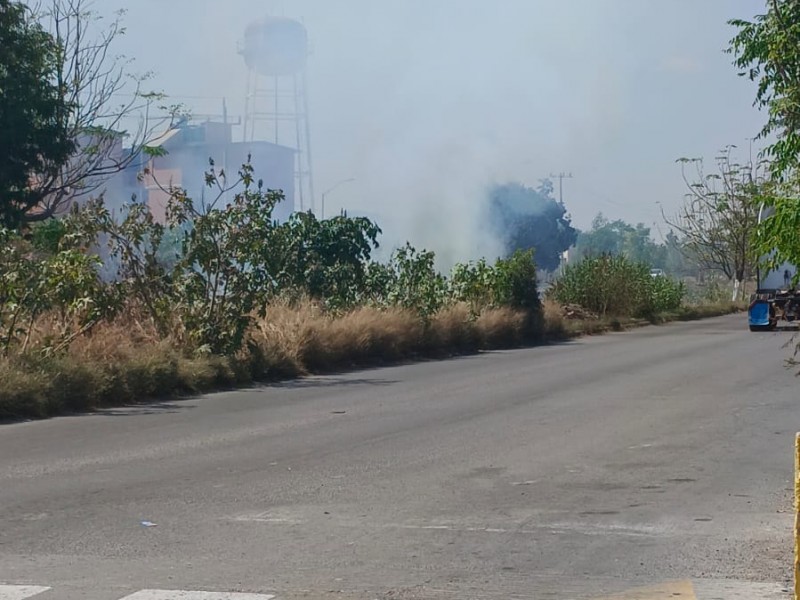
{"points": [[618, 238], [636, 244], [526, 218]]}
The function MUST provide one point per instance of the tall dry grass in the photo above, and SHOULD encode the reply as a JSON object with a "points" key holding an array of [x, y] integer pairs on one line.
{"points": [[554, 324], [126, 361]]}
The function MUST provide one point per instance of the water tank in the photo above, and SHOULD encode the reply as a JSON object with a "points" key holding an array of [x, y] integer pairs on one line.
{"points": [[275, 46]]}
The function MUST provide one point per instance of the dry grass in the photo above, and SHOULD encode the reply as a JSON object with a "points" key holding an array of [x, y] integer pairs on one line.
{"points": [[555, 325], [126, 362], [503, 328], [303, 339], [558, 327], [703, 311]]}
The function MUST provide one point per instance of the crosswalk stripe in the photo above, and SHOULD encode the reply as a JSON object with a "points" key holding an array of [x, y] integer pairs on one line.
{"points": [[20, 592], [189, 595]]}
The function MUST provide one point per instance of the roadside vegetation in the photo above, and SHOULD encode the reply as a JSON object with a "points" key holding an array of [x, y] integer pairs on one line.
{"points": [[98, 310], [102, 307], [615, 286], [766, 50]]}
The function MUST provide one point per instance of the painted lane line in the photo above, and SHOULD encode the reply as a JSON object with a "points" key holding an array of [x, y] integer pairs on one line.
{"points": [[190, 595], [20, 592]]}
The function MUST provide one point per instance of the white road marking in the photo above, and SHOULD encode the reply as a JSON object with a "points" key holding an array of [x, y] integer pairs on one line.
{"points": [[265, 518], [20, 592], [552, 528], [189, 595], [559, 527]]}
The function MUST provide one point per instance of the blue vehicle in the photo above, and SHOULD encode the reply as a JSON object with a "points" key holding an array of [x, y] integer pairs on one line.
{"points": [[768, 306], [776, 297]]}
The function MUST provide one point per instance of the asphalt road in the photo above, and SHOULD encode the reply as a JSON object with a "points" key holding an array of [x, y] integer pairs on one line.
{"points": [[659, 457]]}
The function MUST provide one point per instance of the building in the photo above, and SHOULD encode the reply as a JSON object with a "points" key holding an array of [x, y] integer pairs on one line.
{"points": [[187, 152], [104, 167]]}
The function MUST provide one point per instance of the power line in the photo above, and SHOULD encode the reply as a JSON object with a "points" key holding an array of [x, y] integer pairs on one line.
{"points": [[561, 177]]}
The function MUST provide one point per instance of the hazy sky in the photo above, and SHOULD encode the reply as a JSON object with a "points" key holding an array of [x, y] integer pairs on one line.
{"points": [[424, 101]]}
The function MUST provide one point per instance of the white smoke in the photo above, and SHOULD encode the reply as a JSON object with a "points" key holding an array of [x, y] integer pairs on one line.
{"points": [[426, 102]]}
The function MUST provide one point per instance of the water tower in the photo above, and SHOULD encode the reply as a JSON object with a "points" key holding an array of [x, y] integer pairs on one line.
{"points": [[275, 50]]}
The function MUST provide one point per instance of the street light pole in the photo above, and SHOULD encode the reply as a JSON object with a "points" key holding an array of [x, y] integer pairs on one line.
{"points": [[328, 191]]}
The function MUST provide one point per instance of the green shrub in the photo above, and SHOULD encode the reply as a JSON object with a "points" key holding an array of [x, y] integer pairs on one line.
{"points": [[414, 283], [473, 284], [664, 294], [511, 283], [613, 286]]}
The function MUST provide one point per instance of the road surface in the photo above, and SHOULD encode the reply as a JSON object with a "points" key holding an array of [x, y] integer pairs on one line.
{"points": [[638, 465]]}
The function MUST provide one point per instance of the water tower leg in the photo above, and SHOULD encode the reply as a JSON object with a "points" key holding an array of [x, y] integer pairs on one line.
{"points": [[307, 168], [248, 105]]}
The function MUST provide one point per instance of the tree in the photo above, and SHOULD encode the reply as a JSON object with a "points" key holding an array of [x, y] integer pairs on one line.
{"points": [[34, 138], [618, 238], [325, 259], [720, 215], [527, 218], [676, 261], [110, 117], [767, 51], [605, 237]]}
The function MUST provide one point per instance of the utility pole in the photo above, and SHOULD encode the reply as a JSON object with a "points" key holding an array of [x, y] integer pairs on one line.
{"points": [[561, 177], [322, 215]]}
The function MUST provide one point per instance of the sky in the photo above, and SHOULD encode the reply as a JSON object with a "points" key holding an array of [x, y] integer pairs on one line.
{"points": [[424, 102]]}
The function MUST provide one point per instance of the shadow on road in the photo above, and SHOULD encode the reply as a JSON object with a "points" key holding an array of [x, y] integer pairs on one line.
{"points": [[324, 382], [133, 410]]}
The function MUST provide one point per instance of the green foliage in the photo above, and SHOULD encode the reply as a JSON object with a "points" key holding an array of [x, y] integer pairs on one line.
{"points": [[515, 283], [210, 269], [223, 276], [663, 294], [132, 248], [767, 51], [615, 286], [413, 281], [64, 283], [33, 113], [531, 219], [475, 284], [621, 239], [47, 235], [327, 260], [778, 237], [202, 276], [509, 282]]}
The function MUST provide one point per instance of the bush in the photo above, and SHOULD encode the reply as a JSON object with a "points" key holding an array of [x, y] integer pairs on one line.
{"points": [[613, 286], [664, 294], [515, 285], [98, 308], [412, 281]]}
